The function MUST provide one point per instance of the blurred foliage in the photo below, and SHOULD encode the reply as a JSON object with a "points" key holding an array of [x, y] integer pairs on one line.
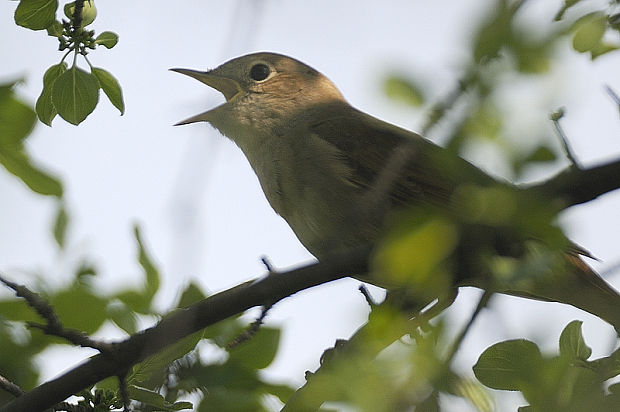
{"points": [[403, 90], [492, 233], [17, 119]]}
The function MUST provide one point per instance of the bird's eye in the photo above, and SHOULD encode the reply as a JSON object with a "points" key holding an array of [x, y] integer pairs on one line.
{"points": [[260, 72]]}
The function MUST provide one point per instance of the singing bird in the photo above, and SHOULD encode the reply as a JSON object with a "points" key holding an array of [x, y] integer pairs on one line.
{"points": [[335, 174]]}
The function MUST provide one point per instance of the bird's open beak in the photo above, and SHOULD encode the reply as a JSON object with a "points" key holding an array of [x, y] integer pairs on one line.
{"points": [[228, 87]]}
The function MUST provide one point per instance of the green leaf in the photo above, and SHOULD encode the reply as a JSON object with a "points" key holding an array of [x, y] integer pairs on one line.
{"points": [[601, 49], [44, 106], [543, 154], [17, 119], [259, 351], [79, 308], [572, 343], [18, 163], [190, 295], [150, 270], [150, 372], [507, 365], [223, 399], [55, 29], [60, 226], [403, 91], [282, 392], [156, 400], [75, 94], [36, 14], [18, 310], [107, 39], [123, 317], [589, 31], [110, 87]]}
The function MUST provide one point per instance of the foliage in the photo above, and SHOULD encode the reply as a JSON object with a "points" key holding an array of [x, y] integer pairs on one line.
{"points": [[567, 381], [71, 92], [375, 371]]}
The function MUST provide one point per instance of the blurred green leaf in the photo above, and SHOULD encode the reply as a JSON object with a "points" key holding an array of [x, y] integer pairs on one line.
{"points": [[282, 392], [485, 121], [75, 94], [37, 180], [494, 33], [17, 119], [572, 343], [55, 29], [151, 272], [223, 399], [589, 31], [44, 106], [224, 331], [36, 14], [415, 254], [155, 400], [18, 310], [17, 360], [403, 90], [190, 295], [107, 39], [135, 300], [601, 49], [542, 154], [123, 317], [110, 87], [507, 365], [60, 225], [259, 351], [79, 308], [474, 392], [150, 372]]}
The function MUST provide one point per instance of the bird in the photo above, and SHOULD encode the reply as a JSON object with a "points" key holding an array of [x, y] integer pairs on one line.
{"points": [[338, 175]]}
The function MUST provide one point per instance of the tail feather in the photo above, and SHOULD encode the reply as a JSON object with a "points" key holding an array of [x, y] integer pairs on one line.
{"points": [[581, 287]]}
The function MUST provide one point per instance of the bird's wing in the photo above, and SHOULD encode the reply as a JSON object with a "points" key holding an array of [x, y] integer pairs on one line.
{"points": [[390, 161]]}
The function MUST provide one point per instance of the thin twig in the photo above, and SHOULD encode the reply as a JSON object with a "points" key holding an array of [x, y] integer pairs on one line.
{"points": [[11, 387], [613, 94], [251, 330], [267, 263], [54, 326], [369, 299], [555, 117], [482, 302]]}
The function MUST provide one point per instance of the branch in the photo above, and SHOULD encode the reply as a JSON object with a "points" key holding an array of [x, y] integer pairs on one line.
{"points": [[571, 186], [123, 355], [10, 387], [574, 186], [53, 326]]}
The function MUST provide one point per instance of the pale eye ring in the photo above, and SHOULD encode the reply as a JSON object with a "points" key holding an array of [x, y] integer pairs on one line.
{"points": [[260, 72]]}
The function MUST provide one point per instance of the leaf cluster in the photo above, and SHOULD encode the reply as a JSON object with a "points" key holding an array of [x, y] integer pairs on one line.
{"points": [[567, 381], [71, 92]]}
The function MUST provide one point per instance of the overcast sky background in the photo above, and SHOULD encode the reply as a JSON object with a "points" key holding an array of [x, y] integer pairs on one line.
{"points": [[203, 214]]}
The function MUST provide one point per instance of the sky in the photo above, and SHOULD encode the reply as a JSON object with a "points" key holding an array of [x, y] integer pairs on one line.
{"points": [[202, 212]]}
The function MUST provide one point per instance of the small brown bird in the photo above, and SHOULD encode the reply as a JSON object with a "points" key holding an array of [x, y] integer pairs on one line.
{"points": [[335, 174]]}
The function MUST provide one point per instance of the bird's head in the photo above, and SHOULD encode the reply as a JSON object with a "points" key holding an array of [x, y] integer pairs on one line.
{"points": [[266, 81]]}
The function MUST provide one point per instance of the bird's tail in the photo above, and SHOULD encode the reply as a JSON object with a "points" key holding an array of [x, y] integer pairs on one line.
{"points": [[581, 287]]}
